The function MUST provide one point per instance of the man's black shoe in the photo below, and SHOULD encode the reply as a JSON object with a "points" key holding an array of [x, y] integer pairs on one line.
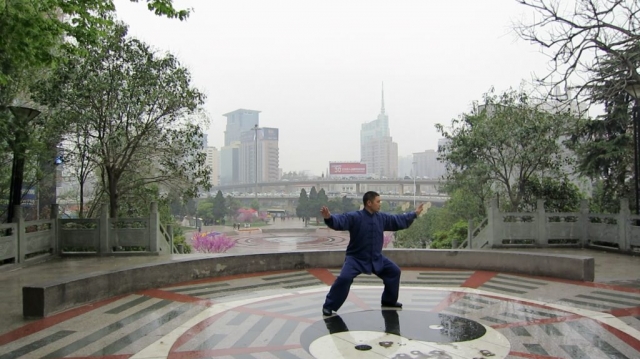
{"points": [[392, 305], [326, 312]]}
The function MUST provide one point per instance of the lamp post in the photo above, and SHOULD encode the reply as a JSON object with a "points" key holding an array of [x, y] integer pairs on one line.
{"points": [[256, 128], [633, 88], [414, 184], [23, 116]]}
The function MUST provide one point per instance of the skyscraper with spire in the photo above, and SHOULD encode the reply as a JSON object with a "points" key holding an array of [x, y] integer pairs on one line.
{"points": [[377, 148]]}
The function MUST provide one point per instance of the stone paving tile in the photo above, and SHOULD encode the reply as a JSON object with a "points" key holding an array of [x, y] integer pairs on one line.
{"points": [[273, 328]]}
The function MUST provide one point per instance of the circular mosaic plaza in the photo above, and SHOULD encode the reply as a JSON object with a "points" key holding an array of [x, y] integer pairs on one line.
{"points": [[446, 315]]}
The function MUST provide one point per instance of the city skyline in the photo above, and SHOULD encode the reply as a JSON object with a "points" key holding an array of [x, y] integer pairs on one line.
{"points": [[314, 70]]}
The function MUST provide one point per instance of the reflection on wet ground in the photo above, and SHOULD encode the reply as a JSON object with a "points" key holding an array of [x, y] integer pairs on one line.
{"points": [[278, 315]]}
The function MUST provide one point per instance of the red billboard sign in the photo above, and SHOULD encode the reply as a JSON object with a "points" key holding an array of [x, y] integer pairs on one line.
{"points": [[347, 168]]}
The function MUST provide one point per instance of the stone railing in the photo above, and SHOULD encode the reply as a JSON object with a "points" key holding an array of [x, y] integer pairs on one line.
{"points": [[544, 229], [23, 241], [46, 298]]}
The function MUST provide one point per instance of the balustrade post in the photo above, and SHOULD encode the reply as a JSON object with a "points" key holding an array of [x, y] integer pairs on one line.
{"points": [[154, 227], [20, 234], [623, 225], [494, 223], [170, 233], [104, 230], [55, 245], [541, 224], [470, 234], [584, 222]]}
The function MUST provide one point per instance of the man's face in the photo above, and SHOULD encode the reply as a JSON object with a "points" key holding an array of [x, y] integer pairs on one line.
{"points": [[374, 206]]}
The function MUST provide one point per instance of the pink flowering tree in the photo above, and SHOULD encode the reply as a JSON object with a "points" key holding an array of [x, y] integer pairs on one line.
{"points": [[211, 242], [246, 215], [387, 239]]}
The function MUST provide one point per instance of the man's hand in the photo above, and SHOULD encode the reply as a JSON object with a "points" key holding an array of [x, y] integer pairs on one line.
{"points": [[325, 212], [419, 209]]}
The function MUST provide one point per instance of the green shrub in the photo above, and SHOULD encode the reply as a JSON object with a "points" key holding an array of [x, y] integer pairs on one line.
{"points": [[179, 238], [444, 239]]}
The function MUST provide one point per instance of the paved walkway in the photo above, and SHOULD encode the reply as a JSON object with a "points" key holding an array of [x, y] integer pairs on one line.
{"points": [[277, 315]]}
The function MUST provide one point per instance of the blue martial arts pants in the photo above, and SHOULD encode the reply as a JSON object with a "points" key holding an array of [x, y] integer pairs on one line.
{"points": [[390, 275]]}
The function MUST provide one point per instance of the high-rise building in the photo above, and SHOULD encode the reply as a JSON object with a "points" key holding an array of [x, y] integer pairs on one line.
{"points": [[405, 166], [213, 163], [268, 156], [377, 149], [239, 121], [230, 164], [427, 164]]}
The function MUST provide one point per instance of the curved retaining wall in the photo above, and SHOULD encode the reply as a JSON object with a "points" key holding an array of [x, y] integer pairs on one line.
{"points": [[47, 298]]}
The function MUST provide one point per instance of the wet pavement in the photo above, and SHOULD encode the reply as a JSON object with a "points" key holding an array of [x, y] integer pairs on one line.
{"points": [[446, 313]]}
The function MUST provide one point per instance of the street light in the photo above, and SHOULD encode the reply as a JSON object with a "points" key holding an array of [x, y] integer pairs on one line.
{"points": [[633, 88], [414, 184], [256, 128]]}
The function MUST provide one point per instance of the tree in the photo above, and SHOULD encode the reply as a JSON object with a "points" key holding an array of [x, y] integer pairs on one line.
{"points": [[219, 206], [335, 205], [507, 139], [427, 228], [469, 192], [348, 205], [34, 34], [444, 239], [232, 205], [303, 204], [385, 207], [255, 205], [312, 206], [559, 195], [463, 204], [585, 38], [416, 235], [140, 111], [322, 200], [32, 29], [604, 149], [79, 159], [205, 210]]}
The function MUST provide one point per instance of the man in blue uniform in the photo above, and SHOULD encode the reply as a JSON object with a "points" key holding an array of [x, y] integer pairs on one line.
{"points": [[364, 252]]}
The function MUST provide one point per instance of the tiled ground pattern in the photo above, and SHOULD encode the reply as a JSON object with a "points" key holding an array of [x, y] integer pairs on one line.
{"points": [[121, 327]]}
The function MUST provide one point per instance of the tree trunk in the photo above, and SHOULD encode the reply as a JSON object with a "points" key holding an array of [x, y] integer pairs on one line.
{"points": [[113, 195], [17, 177], [81, 209]]}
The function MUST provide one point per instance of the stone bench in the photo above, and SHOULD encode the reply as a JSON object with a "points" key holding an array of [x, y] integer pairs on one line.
{"points": [[248, 230], [47, 298]]}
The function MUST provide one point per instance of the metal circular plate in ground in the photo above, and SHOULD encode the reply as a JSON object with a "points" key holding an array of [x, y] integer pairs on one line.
{"points": [[363, 347]]}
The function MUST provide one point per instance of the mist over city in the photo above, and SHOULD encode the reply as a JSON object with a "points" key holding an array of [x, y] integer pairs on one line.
{"points": [[319, 179], [316, 71]]}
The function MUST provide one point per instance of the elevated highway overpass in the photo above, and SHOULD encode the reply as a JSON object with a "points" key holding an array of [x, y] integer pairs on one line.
{"points": [[360, 185], [290, 201], [385, 197]]}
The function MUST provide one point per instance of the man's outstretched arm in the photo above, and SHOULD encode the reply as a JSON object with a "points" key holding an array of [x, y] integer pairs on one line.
{"points": [[396, 222], [338, 222]]}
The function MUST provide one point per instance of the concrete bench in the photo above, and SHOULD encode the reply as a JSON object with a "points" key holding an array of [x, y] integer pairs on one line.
{"points": [[47, 298]]}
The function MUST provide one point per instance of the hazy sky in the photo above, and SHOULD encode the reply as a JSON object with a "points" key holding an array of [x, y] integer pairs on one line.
{"points": [[315, 68]]}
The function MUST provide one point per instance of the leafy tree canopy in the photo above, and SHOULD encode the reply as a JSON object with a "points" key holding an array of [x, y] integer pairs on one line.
{"points": [[505, 140], [139, 110]]}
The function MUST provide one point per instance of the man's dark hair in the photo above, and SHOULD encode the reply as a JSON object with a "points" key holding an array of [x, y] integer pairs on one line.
{"points": [[369, 196]]}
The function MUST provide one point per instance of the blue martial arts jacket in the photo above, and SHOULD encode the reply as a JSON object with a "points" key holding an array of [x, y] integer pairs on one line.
{"points": [[366, 233]]}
